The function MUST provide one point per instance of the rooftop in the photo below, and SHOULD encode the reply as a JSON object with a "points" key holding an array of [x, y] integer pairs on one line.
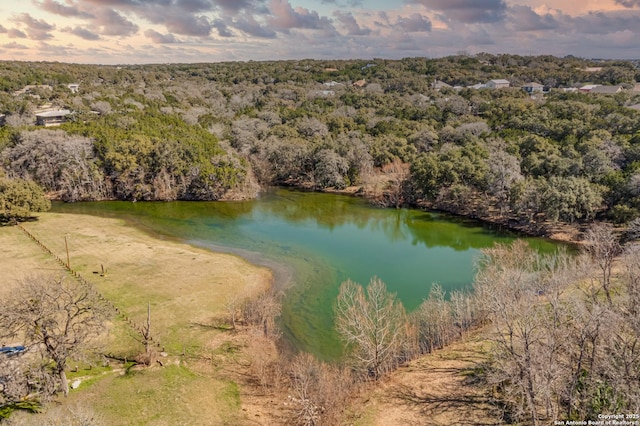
{"points": [[55, 113]]}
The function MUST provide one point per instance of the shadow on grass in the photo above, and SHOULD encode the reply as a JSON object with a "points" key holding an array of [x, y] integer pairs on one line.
{"points": [[221, 326], [11, 221], [446, 394], [450, 407]]}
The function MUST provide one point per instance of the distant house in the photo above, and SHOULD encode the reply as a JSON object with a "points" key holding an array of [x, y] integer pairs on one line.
{"points": [[606, 90], [368, 66], [331, 69], [588, 87], [478, 86], [360, 83], [497, 84], [593, 69], [437, 85], [52, 118], [73, 87], [533, 87], [332, 83]]}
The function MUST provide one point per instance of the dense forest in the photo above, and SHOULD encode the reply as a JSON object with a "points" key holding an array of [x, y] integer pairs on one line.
{"points": [[406, 132]]}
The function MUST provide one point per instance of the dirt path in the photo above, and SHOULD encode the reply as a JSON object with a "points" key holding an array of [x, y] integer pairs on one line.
{"points": [[439, 389]]}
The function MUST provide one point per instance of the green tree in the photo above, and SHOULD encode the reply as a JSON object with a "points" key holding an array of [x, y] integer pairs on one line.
{"points": [[570, 199], [20, 198]]}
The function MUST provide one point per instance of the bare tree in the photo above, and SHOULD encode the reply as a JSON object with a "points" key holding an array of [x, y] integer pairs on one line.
{"points": [[54, 316], [508, 292], [603, 247], [631, 262], [150, 354], [66, 164], [319, 390], [233, 304], [262, 311], [14, 386], [373, 324], [463, 310], [504, 171], [521, 291], [435, 321]]}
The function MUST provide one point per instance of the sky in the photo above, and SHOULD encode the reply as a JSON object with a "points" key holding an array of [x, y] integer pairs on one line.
{"points": [[188, 31]]}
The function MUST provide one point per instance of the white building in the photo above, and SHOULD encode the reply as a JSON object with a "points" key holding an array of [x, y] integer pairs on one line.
{"points": [[52, 118], [533, 87], [497, 84]]}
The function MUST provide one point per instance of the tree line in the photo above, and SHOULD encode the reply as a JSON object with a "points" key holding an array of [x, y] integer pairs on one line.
{"points": [[219, 131]]}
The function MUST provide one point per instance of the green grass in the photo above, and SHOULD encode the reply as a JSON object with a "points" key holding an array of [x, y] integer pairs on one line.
{"points": [[170, 395]]}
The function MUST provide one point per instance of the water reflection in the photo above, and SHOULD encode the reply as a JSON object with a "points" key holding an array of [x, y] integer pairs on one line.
{"points": [[324, 239]]}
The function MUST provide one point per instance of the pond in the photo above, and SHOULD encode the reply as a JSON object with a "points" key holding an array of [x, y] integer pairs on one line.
{"points": [[315, 241]]}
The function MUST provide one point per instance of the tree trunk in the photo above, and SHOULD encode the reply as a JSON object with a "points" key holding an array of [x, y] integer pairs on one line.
{"points": [[64, 384]]}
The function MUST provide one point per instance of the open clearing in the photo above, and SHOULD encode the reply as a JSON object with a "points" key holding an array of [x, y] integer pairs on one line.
{"points": [[187, 288]]}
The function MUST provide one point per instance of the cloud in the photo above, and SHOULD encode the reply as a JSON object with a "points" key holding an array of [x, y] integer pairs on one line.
{"points": [[16, 33], [248, 24], [37, 29], [156, 37], [523, 18], [628, 3], [343, 4], [350, 24], [194, 6], [602, 22], [45, 49], [62, 10], [83, 33], [14, 45], [468, 11], [278, 29], [284, 17], [111, 23], [234, 5], [186, 24], [416, 23], [221, 26]]}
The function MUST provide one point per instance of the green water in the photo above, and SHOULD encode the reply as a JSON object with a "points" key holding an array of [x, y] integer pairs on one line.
{"points": [[315, 241]]}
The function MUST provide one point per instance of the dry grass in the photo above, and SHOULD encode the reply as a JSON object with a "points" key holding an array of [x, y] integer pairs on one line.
{"points": [[441, 388], [187, 288]]}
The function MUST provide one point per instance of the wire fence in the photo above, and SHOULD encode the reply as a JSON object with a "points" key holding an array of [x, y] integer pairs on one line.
{"points": [[91, 288]]}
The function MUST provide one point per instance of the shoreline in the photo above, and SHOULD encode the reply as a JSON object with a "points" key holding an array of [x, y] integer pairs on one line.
{"points": [[138, 265], [559, 232], [282, 274]]}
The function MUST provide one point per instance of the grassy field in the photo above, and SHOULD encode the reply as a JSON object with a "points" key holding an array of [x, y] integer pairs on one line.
{"points": [[187, 289]]}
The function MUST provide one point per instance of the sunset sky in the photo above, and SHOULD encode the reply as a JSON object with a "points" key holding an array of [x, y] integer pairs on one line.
{"points": [[158, 31]]}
